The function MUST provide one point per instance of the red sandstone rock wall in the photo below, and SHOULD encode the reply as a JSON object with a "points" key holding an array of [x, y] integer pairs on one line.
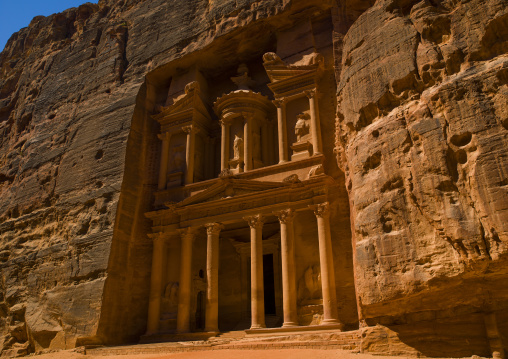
{"points": [[422, 135], [74, 104]]}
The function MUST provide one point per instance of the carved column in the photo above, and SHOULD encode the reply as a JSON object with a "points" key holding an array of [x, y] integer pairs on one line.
{"points": [[265, 144], [184, 289], [288, 267], [154, 304], [282, 131], [163, 170], [256, 269], [314, 122], [322, 213], [191, 131], [224, 145], [212, 277], [247, 142]]}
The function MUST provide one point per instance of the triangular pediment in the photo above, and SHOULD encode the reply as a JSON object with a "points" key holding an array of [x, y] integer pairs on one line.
{"points": [[229, 188], [189, 102]]}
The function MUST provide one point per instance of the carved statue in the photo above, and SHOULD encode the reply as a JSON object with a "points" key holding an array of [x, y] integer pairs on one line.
{"points": [[178, 162], [242, 80], [309, 285], [302, 126], [238, 148], [170, 299]]}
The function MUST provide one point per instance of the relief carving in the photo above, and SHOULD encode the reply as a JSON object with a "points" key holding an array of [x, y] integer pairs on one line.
{"points": [[238, 148], [170, 301], [309, 286], [302, 127]]}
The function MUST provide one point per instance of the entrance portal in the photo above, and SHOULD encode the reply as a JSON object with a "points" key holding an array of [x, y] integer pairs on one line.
{"points": [[268, 281]]}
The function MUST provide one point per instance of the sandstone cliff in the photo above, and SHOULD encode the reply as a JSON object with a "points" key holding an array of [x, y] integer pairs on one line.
{"points": [[422, 137]]}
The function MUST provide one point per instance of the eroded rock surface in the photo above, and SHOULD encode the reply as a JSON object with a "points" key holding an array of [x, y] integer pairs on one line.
{"points": [[422, 134], [422, 137]]}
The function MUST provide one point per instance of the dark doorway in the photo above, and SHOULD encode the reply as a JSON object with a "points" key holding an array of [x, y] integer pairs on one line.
{"points": [[268, 281], [200, 311]]}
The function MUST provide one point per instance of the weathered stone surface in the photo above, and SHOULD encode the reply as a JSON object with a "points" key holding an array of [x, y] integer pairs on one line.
{"points": [[421, 136]]}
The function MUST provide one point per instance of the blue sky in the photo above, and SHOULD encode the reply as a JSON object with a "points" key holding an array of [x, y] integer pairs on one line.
{"points": [[16, 14]]}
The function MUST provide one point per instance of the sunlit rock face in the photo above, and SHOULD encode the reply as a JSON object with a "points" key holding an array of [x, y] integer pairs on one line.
{"points": [[412, 106]]}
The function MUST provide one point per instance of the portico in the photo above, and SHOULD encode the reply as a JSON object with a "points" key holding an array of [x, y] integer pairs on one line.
{"points": [[225, 205]]}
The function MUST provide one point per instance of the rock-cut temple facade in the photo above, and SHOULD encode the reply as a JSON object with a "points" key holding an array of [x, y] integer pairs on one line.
{"points": [[242, 226]]}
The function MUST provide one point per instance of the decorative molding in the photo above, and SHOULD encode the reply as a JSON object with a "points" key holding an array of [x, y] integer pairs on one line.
{"points": [[285, 215], [213, 228], [255, 221], [188, 233], [190, 128], [321, 210]]}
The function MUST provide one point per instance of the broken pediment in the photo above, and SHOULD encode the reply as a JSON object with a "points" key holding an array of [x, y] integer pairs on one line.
{"points": [[185, 108], [285, 78], [229, 188]]}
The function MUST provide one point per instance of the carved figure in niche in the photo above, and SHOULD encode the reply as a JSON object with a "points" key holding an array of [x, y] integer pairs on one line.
{"points": [[238, 148], [199, 281], [178, 158], [170, 300], [302, 126], [309, 285], [242, 80]]}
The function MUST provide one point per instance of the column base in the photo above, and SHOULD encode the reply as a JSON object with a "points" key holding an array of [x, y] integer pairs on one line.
{"points": [[290, 324], [257, 326], [331, 322], [283, 161]]}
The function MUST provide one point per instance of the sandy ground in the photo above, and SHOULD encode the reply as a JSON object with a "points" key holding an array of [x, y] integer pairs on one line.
{"points": [[228, 354]]}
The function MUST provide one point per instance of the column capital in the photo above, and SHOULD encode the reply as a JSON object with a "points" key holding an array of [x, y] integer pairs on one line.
{"points": [[248, 115], [190, 128], [256, 221], [163, 136], [310, 93], [321, 210], [225, 122], [187, 233], [158, 237], [213, 228], [280, 102], [285, 215]]}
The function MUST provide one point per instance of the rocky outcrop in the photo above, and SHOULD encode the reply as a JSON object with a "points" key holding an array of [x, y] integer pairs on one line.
{"points": [[422, 138], [74, 104]]}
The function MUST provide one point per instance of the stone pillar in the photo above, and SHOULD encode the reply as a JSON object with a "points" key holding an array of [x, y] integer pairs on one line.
{"points": [[212, 277], [184, 289], [494, 336], [330, 313], [154, 304], [265, 156], [314, 122], [287, 240], [282, 131], [256, 269], [191, 131], [163, 170], [247, 143], [224, 145]]}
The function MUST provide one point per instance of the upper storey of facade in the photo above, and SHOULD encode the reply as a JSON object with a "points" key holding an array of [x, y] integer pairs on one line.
{"points": [[258, 119]]}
